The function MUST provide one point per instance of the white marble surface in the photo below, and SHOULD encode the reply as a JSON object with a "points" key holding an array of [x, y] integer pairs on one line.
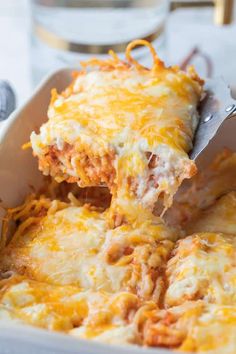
{"points": [[185, 30]]}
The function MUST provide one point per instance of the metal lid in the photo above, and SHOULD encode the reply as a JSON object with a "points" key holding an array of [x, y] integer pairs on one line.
{"points": [[7, 100]]}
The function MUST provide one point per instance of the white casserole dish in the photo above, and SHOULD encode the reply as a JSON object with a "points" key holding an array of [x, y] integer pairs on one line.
{"points": [[18, 172]]}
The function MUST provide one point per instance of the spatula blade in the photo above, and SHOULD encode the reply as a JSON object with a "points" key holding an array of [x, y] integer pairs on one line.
{"points": [[215, 108]]}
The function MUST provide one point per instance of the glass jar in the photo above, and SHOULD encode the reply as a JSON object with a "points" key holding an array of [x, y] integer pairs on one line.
{"points": [[64, 32]]}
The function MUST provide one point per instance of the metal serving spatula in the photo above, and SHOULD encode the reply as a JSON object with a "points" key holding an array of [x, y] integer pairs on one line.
{"points": [[217, 106]]}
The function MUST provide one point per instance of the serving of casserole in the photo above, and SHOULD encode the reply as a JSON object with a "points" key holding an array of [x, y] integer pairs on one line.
{"points": [[102, 248]]}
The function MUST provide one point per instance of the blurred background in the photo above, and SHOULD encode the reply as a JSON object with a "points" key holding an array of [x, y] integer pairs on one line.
{"points": [[39, 36]]}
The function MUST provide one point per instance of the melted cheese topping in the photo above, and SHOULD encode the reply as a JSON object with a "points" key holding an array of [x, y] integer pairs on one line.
{"points": [[92, 282], [74, 246], [220, 217], [203, 267], [193, 327], [204, 190], [213, 332], [86, 314], [126, 126]]}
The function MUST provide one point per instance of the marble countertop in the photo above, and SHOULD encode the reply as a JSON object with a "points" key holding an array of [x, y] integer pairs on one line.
{"points": [[186, 29]]}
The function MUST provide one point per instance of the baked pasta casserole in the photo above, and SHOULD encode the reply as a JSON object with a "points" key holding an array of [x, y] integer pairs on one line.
{"points": [[108, 250]]}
